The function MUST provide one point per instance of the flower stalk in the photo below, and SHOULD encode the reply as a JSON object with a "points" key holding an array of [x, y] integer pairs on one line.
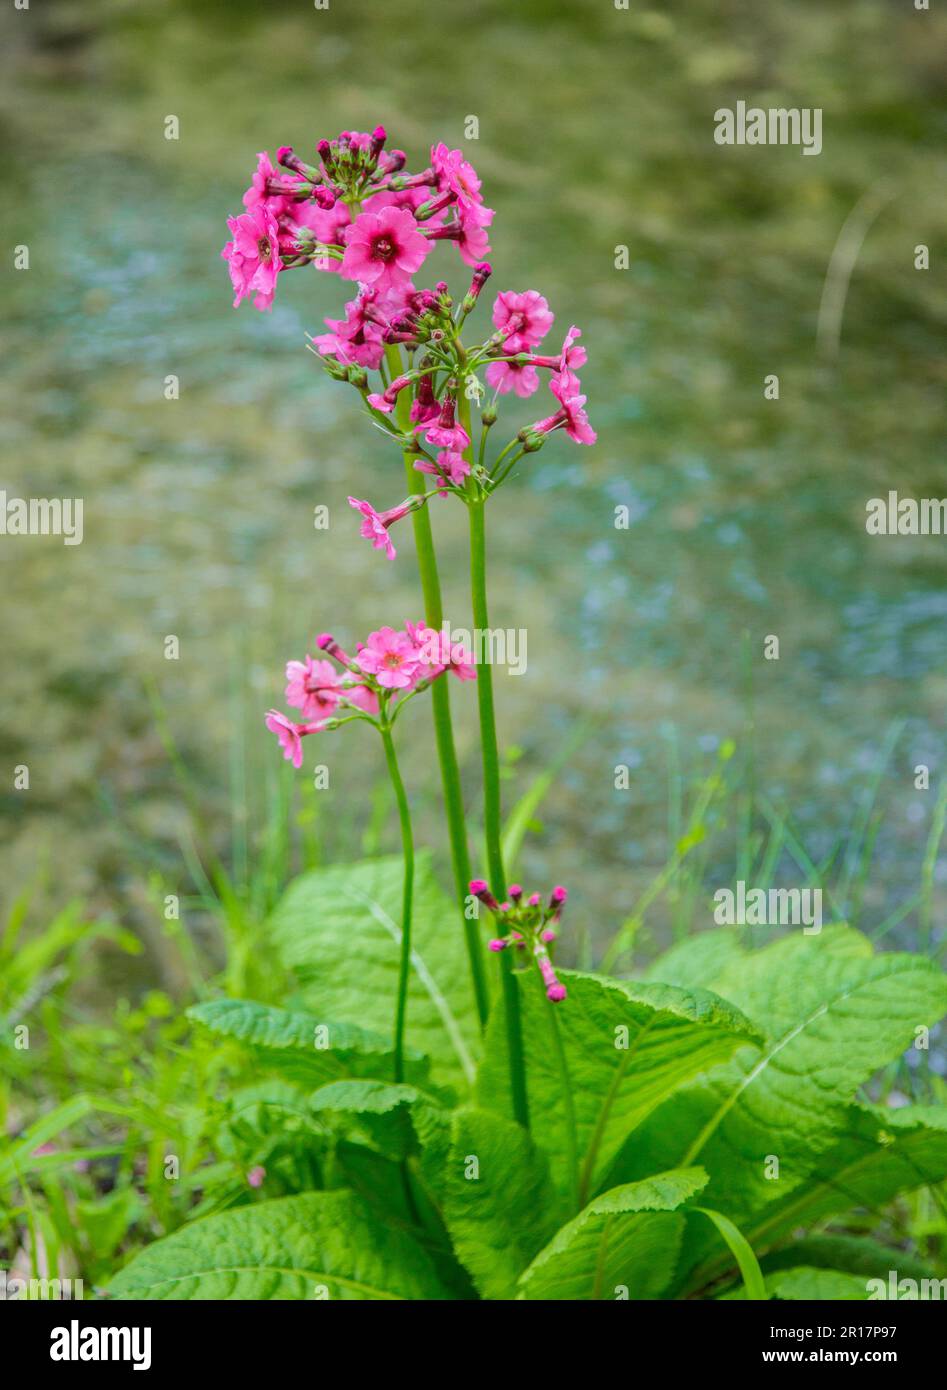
{"points": [[440, 705]]}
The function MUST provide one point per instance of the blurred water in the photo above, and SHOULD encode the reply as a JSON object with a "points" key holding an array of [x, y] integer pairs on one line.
{"points": [[747, 516]]}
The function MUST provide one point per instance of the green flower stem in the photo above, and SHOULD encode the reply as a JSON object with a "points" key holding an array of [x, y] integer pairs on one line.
{"points": [[440, 702], [407, 895], [568, 1104], [491, 782]]}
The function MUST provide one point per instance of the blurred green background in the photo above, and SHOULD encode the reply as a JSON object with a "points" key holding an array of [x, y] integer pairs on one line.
{"points": [[747, 515]]}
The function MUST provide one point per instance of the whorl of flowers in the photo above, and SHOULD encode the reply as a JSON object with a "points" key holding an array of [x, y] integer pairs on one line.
{"points": [[528, 924], [358, 213], [386, 668]]}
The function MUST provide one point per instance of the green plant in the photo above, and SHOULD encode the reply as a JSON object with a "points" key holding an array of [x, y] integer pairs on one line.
{"points": [[686, 1086]]}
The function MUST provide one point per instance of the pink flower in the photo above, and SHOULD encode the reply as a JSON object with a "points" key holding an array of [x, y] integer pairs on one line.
{"points": [[289, 734], [256, 1176], [312, 687], [375, 524], [472, 240], [384, 248], [253, 255], [576, 421], [524, 319], [555, 992], [328, 225], [425, 408], [256, 193], [387, 401], [392, 658], [481, 889], [510, 376], [438, 651], [408, 198], [360, 336], [448, 467], [568, 361], [571, 358], [362, 697], [444, 432], [456, 176], [570, 416]]}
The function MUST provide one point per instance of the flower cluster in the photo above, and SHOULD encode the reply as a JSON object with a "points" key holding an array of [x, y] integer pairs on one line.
{"points": [[528, 925], [389, 664], [358, 213]]}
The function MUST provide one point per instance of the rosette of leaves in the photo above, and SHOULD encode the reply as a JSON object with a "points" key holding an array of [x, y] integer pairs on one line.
{"points": [[703, 1129]]}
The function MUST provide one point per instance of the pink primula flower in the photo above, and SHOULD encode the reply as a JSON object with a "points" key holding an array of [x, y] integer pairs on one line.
{"points": [[510, 376], [256, 193], [312, 687], [448, 467], [362, 697], [524, 319], [472, 240], [444, 432], [253, 255], [458, 177], [576, 421], [360, 336], [290, 735], [442, 654], [375, 524], [384, 248], [392, 658]]}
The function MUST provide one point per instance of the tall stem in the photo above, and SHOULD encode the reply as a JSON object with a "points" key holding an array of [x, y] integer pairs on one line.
{"points": [[491, 781], [407, 896], [440, 703], [568, 1103]]}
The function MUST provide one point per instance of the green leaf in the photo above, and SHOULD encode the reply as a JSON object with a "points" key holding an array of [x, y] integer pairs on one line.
{"points": [[380, 1111], [814, 1285], [854, 1254], [834, 1013], [292, 1248], [625, 1240], [338, 929], [628, 1046], [742, 1252], [881, 1152], [302, 1046], [500, 1214]]}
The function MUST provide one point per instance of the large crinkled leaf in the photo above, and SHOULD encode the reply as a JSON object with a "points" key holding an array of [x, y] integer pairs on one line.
{"points": [[622, 1245], [307, 1247], [498, 1204], [380, 1111], [302, 1046], [628, 1046], [882, 1152], [338, 929], [834, 1014]]}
